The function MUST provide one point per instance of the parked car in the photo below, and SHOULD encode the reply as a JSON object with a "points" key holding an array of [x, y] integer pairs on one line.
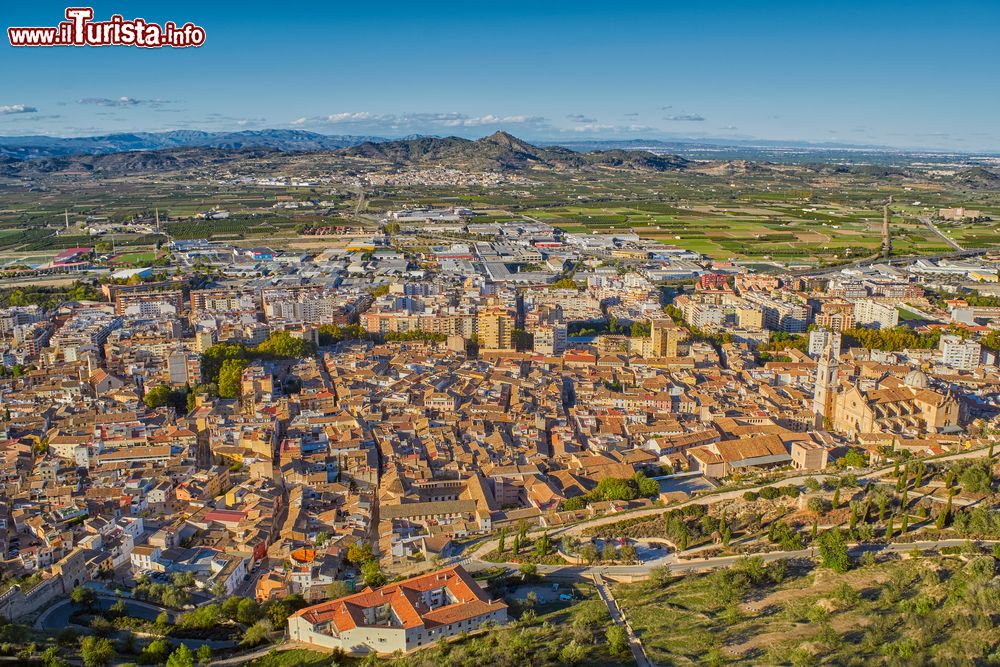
{"points": [[565, 597]]}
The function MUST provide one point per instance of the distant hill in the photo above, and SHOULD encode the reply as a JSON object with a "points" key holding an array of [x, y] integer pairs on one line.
{"points": [[283, 140], [131, 162], [503, 152], [977, 177]]}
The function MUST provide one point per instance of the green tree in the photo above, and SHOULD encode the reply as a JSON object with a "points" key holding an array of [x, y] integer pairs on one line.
{"points": [[118, 608], [257, 633], [372, 574], [182, 657], [230, 607], [942, 517], [283, 345], [83, 596], [248, 612], [204, 654], [230, 377], [617, 641], [833, 551], [647, 488], [216, 355], [613, 488], [542, 546], [51, 658], [360, 553], [157, 397], [853, 459], [96, 651], [572, 653], [201, 618], [503, 538], [816, 505]]}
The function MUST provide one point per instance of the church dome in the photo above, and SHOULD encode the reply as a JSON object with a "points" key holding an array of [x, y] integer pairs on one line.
{"points": [[916, 379]]}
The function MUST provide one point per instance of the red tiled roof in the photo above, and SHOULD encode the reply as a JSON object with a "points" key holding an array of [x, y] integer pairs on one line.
{"points": [[405, 598]]}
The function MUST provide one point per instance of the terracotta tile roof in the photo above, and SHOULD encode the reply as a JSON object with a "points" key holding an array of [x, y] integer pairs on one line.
{"points": [[406, 600]]}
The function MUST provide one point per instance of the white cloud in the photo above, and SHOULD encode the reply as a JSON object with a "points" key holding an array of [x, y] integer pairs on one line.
{"points": [[419, 122], [350, 117], [17, 108], [122, 102]]}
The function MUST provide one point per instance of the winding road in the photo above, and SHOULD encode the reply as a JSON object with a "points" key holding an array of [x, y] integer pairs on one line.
{"points": [[474, 561], [58, 617]]}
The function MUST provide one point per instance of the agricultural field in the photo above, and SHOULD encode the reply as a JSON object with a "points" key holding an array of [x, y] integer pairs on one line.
{"points": [[752, 212], [753, 231]]}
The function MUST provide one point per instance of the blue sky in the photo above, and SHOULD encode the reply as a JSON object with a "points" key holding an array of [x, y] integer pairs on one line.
{"points": [[908, 74]]}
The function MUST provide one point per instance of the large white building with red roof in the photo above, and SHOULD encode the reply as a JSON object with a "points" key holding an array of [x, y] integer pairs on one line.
{"points": [[402, 616]]}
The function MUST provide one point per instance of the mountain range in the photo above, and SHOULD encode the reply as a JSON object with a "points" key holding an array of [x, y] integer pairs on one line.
{"points": [[502, 152], [284, 140], [147, 153], [138, 153]]}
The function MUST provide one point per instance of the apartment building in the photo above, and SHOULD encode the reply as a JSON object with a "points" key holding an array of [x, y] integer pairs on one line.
{"points": [[960, 354], [870, 313], [496, 329]]}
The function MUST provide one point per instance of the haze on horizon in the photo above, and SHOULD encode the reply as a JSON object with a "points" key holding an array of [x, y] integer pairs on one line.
{"points": [[906, 75]]}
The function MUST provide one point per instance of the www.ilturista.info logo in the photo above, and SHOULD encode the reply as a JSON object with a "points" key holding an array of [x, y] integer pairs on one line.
{"points": [[79, 29]]}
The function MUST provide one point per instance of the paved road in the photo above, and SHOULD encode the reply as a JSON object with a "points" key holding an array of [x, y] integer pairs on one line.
{"points": [[677, 565], [57, 617], [474, 562], [878, 259], [248, 588], [934, 228]]}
